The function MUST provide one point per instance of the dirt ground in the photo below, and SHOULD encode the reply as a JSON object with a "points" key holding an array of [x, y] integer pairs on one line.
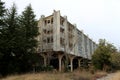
{"points": [[112, 76]]}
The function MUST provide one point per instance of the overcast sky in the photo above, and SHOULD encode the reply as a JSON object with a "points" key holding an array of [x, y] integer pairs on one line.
{"points": [[97, 18]]}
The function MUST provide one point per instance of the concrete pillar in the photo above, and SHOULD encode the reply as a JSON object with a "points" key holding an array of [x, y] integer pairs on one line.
{"points": [[45, 59], [79, 63], [56, 31], [71, 63], [65, 25], [60, 62]]}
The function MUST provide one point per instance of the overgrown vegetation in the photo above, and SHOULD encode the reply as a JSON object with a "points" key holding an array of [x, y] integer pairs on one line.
{"points": [[76, 75], [106, 56], [17, 40]]}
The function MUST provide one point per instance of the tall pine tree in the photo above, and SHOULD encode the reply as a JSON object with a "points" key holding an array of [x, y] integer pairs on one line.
{"points": [[9, 41], [29, 31], [17, 40], [2, 13]]}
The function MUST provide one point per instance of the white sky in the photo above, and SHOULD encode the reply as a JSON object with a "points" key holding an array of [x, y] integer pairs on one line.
{"points": [[98, 18]]}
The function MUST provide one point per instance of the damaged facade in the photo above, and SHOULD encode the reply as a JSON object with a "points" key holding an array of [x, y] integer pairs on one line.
{"points": [[59, 38]]}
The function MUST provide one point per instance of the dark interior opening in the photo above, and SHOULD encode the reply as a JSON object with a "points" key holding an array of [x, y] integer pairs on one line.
{"points": [[55, 63]]}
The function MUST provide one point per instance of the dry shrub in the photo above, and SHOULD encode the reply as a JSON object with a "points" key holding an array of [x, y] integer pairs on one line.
{"points": [[82, 75], [99, 74]]}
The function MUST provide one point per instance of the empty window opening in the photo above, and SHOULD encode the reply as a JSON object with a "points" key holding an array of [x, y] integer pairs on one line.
{"points": [[61, 30], [48, 21], [48, 40], [48, 32], [44, 40], [51, 39], [44, 30], [61, 21], [51, 20], [45, 22], [62, 41]]}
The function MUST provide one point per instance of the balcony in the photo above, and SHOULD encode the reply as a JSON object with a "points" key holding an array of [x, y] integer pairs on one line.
{"points": [[48, 46], [62, 49], [71, 52], [62, 35], [48, 26], [62, 27], [45, 47]]}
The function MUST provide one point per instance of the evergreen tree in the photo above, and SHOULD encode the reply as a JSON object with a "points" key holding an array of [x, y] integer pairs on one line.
{"points": [[29, 32], [8, 41], [17, 40], [29, 29], [2, 13], [2, 8]]}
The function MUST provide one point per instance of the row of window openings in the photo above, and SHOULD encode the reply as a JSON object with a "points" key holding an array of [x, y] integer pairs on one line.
{"points": [[61, 22], [61, 30], [51, 31], [49, 21], [48, 32], [48, 40]]}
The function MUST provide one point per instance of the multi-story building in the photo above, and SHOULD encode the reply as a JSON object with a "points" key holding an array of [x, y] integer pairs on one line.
{"points": [[60, 39]]}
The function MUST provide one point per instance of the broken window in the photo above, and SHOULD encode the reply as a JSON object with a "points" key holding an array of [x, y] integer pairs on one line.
{"points": [[44, 40], [48, 32], [45, 22], [51, 20], [61, 30], [62, 41], [51, 39], [44, 30], [61, 21], [48, 40], [48, 21]]}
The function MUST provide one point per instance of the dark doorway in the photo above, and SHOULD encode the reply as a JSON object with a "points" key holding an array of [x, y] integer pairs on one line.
{"points": [[54, 63], [75, 63]]}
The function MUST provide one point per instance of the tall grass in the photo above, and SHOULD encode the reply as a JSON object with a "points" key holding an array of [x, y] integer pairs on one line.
{"points": [[76, 75]]}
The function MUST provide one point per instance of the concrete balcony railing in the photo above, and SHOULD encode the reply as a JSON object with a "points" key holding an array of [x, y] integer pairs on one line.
{"points": [[48, 35], [62, 49], [45, 47], [48, 46], [62, 35], [62, 27], [48, 26]]}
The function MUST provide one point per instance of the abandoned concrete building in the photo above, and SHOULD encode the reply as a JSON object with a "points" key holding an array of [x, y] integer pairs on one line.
{"points": [[61, 41]]}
